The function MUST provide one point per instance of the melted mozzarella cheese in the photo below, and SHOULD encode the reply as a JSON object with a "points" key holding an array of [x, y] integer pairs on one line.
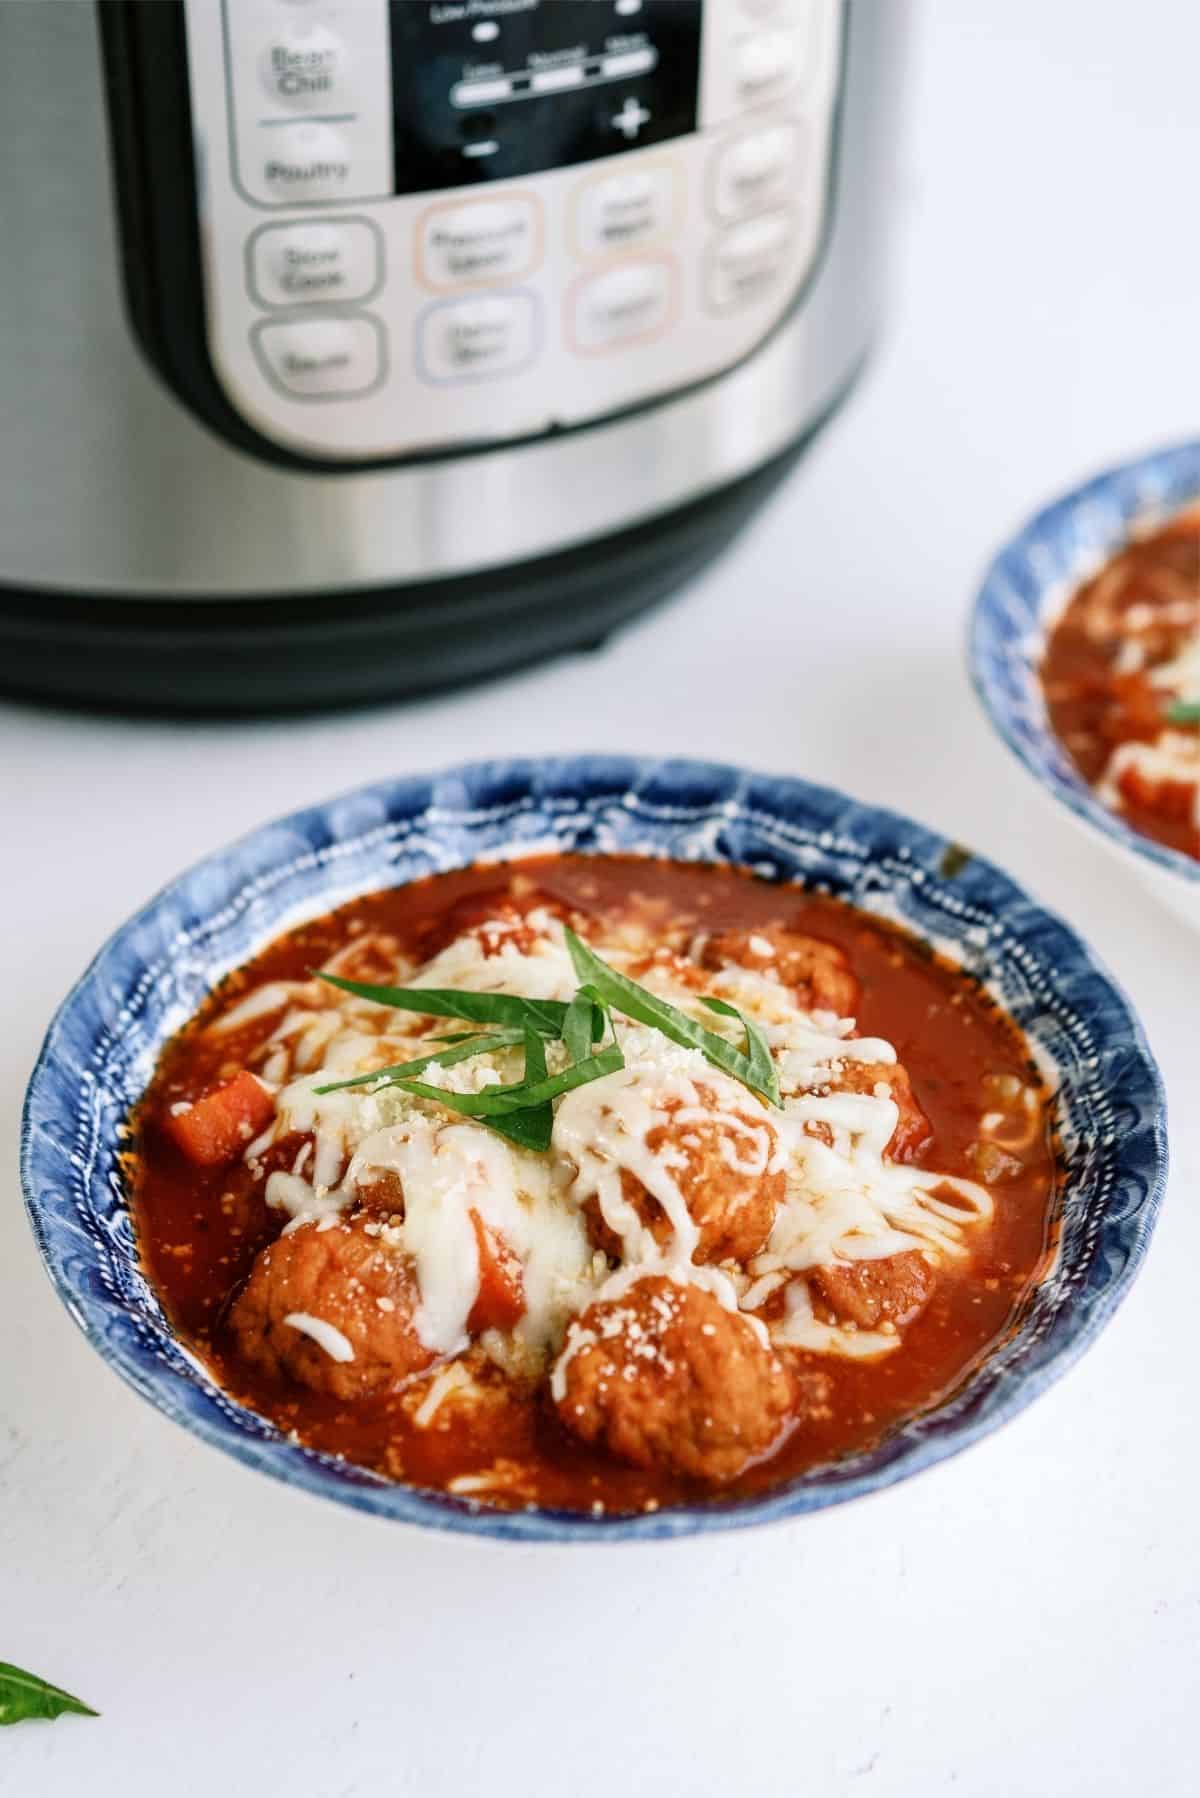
{"points": [[1181, 675], [603, 1130], [844, 1199], [1174, 758], [326, 1335]]}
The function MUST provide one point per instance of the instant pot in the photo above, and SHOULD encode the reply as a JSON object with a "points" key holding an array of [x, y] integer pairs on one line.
{"points": [[349, 347]]}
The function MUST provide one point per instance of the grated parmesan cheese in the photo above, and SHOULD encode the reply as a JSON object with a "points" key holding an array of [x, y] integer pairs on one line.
{"points": [[843, 1198]]}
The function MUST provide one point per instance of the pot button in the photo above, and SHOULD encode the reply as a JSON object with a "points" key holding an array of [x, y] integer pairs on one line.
{"points": [[745, 262], [484, 240], [766, 66], [617, 212], [321, 358], [306, 162], [470, 340], [305, 70], [299, 265], [754, 171], [625, 305]]}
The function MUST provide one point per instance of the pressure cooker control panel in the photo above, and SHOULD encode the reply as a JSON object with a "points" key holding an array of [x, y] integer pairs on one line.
{"points": [[438, 223]]}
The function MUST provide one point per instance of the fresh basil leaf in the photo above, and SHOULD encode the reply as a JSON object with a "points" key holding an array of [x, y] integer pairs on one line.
{"points": [[504, 1101], [535, 1057], [1184, 711], [583, 1024], [766, 1080], [463, 1050], [23, 1696], [543, 1015], [530, 1126], [626, 996]]}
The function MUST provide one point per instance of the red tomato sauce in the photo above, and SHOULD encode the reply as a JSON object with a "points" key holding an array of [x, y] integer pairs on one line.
{"points": [[199, 1229], [1121, 626]]}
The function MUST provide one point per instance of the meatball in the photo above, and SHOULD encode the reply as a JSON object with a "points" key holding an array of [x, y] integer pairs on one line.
{"points": [[349, 1292], [819, 971], [894, 1289], [724, 1176], [381, 1191], [665, 1377], [913, 1132]]}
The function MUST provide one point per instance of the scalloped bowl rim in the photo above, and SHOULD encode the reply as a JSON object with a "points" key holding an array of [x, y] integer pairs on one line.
{"points": [[893, 853], [1142, 490]]}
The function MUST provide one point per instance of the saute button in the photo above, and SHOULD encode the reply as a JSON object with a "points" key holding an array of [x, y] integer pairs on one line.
{"points": [[622, 306], [766, 65], [746, 261], [616, 212], [296, 265], [305, 70], [469, 340], [485, 240], [752, 172], [322, 358], [306, 162]]}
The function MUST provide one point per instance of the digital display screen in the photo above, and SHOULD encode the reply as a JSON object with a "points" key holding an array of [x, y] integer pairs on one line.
{"points": [[485, 90]]}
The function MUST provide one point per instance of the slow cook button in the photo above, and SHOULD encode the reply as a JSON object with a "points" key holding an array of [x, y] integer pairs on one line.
{"points": [[470, 340], [298, 265], [624, 305], [746, 262], [617, 212], [306, 162], [322, 358], [483, 240], [753, 172], [305, 70]]}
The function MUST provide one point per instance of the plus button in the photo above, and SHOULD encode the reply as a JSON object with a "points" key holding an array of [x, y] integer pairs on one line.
{"points": [[632, 116]]}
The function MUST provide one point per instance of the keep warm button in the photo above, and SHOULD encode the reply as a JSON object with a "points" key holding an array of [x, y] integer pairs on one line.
{"points": [[470, 340], [322, 358]]}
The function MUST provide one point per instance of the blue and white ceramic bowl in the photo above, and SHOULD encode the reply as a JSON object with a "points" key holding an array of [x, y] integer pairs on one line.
{"points": [[153, 974], [1024, 592]]}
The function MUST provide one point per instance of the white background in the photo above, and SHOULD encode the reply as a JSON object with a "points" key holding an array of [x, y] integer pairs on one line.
{"points": [[1024, 1620]]}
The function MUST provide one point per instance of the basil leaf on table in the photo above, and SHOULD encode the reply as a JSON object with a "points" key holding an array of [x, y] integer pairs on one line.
{"points": [[23, 1697]]}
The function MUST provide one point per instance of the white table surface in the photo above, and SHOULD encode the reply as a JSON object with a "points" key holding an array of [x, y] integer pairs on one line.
{"points": [[1023, 1620]]}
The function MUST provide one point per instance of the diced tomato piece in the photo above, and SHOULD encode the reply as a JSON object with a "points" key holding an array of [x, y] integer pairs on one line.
{"points": [[218, 1127], [500, 1304], [1174, 799]]}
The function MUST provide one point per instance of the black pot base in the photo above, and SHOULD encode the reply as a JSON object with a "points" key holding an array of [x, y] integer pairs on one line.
{"points": [[291, 652]]}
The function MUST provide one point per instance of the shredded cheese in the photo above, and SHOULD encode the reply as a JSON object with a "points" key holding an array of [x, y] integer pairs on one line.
{"points": [[843, 1198], [326, 1335]]}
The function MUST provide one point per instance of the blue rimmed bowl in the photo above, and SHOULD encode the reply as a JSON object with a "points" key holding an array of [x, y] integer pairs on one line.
{"points": [[1024, 593], [152, 975]]}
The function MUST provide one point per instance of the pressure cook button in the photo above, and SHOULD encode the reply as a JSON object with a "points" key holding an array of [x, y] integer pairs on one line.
{"points": [[617, 212], [483, 240], [747, 261], [322, 358], [753, 172], [624, 305], [306, 162], [305, 69], [766, 66], [297, 265], [470, 340]]}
